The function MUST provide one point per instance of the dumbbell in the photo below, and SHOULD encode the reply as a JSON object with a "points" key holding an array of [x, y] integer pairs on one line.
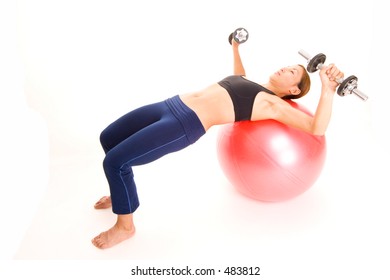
{"points": [[240, 35], [347, 85]]}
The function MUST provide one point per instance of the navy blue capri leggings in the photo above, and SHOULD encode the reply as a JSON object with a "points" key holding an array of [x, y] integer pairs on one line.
{"points": [[142, 136]]}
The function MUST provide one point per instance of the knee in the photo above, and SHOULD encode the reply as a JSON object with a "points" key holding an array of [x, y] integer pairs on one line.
{"points": [[110, 162], [114, 162], [104, 140]]}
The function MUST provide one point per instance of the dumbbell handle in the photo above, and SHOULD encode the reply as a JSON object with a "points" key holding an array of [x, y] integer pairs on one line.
{"points": [[360, 94], [320, 66]]}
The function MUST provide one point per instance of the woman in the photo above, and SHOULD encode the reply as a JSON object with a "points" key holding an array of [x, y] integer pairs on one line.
{"points": [[149, 132]]}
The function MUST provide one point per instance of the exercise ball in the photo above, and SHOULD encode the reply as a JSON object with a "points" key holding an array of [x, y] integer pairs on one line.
{"points": [[270, 161]]}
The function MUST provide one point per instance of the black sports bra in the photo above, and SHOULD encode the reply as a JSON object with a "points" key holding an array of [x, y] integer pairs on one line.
{"points": [[243, 93]]}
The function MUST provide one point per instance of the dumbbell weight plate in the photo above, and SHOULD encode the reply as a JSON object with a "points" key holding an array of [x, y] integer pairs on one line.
{"points": [[230, 38], [312, 66], [240, 35], [347, 86]]}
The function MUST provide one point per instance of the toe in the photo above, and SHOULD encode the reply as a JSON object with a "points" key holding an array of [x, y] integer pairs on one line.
{"points": [[101, 201]]}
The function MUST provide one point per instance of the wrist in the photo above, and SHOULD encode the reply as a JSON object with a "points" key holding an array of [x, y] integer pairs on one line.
{"points": [[327, 92]]}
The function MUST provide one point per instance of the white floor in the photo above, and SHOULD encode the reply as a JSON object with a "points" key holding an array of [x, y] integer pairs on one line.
{"points": [[190, 214]]}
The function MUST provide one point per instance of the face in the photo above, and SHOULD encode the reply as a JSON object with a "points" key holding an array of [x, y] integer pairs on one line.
{"points": [[287, 78]]}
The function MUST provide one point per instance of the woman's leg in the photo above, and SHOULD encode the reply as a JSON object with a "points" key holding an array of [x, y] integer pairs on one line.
{"points": [[152, 142], [159, 138], [129, 124], [123, 128]]}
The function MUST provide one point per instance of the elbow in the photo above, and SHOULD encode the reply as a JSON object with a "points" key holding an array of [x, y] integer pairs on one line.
{"points": [[317, 130], [239, 72], [318, 133], [301, 121]]}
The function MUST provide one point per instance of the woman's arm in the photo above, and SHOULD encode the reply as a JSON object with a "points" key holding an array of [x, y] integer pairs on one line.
{"points": [[317, 124], [237, 63]]}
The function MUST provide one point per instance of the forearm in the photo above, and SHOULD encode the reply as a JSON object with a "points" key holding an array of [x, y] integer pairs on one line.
{"points": [[323, 112], [238, 68]]}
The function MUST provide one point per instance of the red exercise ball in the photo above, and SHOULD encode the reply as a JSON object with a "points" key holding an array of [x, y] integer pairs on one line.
{"points": [[269, 161]]}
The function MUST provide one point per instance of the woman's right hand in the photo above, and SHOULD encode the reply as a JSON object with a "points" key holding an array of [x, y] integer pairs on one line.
{"points": [[234, 43], [329, 75]]}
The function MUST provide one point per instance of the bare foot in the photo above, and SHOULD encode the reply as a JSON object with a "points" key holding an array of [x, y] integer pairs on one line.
{"points": [[112, 237], [121, 231], [103, 203]]}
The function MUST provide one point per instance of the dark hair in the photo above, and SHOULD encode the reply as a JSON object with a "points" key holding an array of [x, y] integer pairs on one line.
{"points": [[304, 85]]}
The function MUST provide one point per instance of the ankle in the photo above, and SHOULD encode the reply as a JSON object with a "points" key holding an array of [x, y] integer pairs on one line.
{"points": [[125, 222]]}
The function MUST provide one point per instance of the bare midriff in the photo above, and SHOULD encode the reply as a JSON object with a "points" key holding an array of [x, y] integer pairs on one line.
{"points": [[213, 105]]}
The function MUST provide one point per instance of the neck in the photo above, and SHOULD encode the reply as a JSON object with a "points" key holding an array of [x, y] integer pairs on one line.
{"points": [[274, 89]]}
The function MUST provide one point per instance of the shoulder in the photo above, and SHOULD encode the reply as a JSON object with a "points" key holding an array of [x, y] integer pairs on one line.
{"points": [[270, 99], [267, 106], [272, 106]]}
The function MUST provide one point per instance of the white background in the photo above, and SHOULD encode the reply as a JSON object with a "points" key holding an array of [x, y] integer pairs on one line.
{"points": [[69, 68]]}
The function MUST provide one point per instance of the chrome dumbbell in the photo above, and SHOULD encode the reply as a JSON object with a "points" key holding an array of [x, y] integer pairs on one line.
{"points": [[240, 35], [347, 86]]}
